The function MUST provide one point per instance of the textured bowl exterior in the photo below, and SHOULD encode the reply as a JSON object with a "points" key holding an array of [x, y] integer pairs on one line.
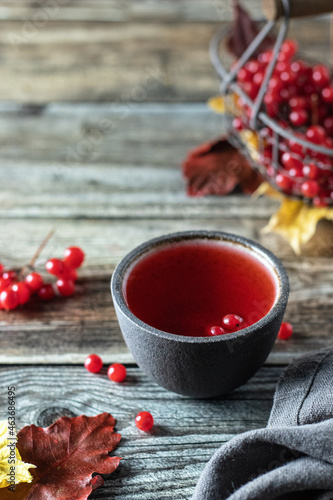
{"points": [[200, 367]]}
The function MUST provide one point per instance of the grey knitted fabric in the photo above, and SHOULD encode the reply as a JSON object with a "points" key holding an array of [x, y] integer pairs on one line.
{"points": [[292, 458]]}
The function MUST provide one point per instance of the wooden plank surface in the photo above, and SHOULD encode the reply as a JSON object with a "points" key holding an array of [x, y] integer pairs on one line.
{"points": [[134, 61], [67, 330], [165, 463], [175, 11], [117, 191], [63, 136]]}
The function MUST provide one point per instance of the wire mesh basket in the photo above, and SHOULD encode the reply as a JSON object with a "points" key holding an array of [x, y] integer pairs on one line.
{"points": [[288, 145]]}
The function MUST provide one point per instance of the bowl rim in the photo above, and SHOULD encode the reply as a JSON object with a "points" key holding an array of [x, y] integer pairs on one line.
{"points": [[271, 260]]}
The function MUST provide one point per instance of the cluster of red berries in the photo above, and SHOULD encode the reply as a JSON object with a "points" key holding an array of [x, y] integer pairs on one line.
{"points": [[15, 292], [299, 97], [231, 322], [117, 373]]}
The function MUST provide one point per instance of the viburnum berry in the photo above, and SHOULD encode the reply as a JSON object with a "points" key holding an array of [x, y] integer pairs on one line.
{"points": [[310, 189], [244, 75], [327, 94], [232, 321], [299, 117], [144, 421], [46, 292], [259, 78], [22, 291], [34, 281], [286, 331], [289, 48], [316, 134], [250, 89], [265, 57], [69, 273], [55, 267], [290, 160], [9, 275], [295, 147], [74, 257], [319, 202], [321, 75], [117, 372], [93, 363], [284, 182], [4, 283], [311, 171], [295, 172], [8, 299], [298, 102], [65, 287], [237, 123], [1, 267], [216, 330], [252, 66], [328, 125]]}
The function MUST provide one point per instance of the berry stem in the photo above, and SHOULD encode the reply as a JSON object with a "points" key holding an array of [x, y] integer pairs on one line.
{"points": [[36, 254], [314, 109]]}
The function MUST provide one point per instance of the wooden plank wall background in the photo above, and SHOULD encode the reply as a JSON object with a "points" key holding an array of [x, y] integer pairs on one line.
{"points": [[105, 50]]}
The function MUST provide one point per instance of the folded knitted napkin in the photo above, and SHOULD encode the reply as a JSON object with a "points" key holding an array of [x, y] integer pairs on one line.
{"points": [[292, 458]]}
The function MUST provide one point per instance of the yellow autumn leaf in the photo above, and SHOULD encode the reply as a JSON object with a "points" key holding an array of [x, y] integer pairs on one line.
{"points": [[11, 465], [266, 189], [296, 221], [217, 104], [251, 141]]}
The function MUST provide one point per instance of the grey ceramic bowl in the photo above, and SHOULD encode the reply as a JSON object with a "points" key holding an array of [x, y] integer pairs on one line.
{"points": [[200, 367]]}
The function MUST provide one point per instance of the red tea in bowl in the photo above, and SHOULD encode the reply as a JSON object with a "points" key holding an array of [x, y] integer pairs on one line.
{"points": [[200, 288]]}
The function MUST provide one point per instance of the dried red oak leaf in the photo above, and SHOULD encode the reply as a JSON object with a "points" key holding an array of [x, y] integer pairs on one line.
{"points": [[217, 168], [67, 454], [243, 31]]}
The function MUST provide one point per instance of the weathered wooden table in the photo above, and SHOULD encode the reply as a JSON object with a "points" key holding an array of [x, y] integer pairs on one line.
{"points": [[91, 138]]}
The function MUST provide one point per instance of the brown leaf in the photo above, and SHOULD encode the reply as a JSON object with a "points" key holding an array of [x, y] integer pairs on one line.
{"points": [[243, 31], [217, 168], [67, 454]]}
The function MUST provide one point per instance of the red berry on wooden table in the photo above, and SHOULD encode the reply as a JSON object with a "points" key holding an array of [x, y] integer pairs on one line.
{"points": [[9, 275], [22, 291], [34, 281], [286, 331], [93, 363], [144, 421], [46, 292], [74, 257], [65, 287], [55, 267], [117, 372], [4, 283], [8, 299]]}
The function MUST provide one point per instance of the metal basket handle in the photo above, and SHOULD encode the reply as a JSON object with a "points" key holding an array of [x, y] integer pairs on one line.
{"points": [[274, 9]]}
